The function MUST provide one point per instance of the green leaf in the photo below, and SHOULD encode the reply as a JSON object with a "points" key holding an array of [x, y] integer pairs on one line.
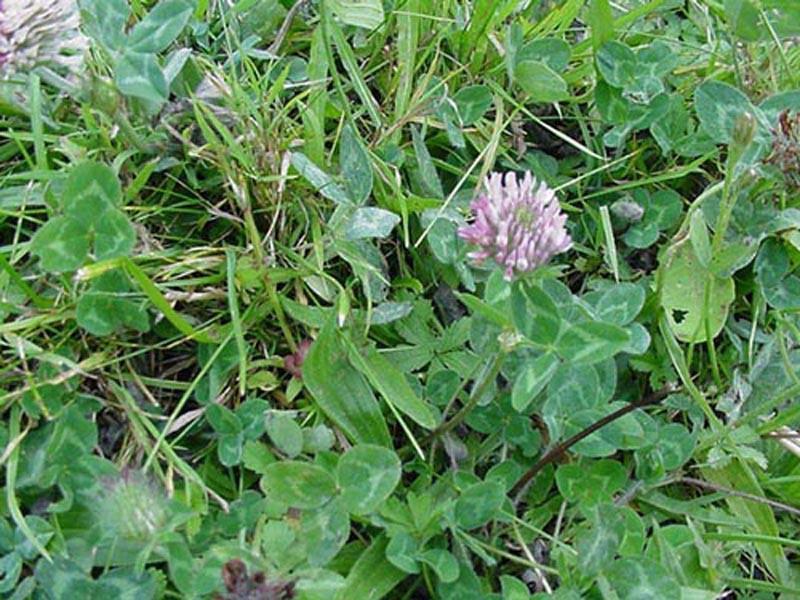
{"points": [[285, 433], [535, 314], [318, 178], [532, 379], [513, 588], [540, 82], [617, 63], [780, 287], [591, 341], [553, 52], [370, 222], [392, 385], [639, 578], [114, 235], [106, 306], [138, 75], [105, 21], [91, 179], [429, 178], [698, 234], [341, 392], [372, 575], [472, 103], [402, 552], [62, 244], [596, 544], [682, 286], [367, 476], [298, 484], [355, 165], [718, 105], [620, 303], [591, 482], [161, 26], [479, 504], [573, 387], [223, 419], [443, 563], [325, 532], [744, 19], [360, 13]]}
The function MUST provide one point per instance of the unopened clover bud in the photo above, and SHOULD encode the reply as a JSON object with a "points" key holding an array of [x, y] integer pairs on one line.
{"points": [[627, 210], [744, 128]]}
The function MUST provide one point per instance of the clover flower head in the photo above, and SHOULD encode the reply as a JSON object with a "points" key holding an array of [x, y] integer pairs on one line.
{"points": [[518, 224], [40, 33]]}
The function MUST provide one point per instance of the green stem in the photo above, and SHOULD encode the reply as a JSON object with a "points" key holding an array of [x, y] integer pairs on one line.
{"points": [[488, 378]]}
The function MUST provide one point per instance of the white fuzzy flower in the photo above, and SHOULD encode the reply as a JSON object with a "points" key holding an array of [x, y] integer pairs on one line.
{"points": [[40, 33]]}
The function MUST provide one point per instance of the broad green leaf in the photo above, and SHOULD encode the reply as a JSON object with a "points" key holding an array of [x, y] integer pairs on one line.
{"points": [[479, 503], [105, 21], [597, 544], [472, 103], [361, 13], [429, 178], [319, 179], [161, 26], [392, 385], [62, 244], [535, 314], [532, 379], [781, 288], [114, 235], [540, 82], [355, 165], [718, 105], [367, 476], [402, 552], [553, 52], [744, 19], [341, 392], [641, 578], [591, 341], [443, 563], [682, 289], [91, 179], [591, 482], [701, 242], [617, 63], [138, 75], [370, 222], [324, 532], [223, 419], [107, 306], [620, 303], [573, 387], [298, 484], [372, 575], [285, 433]]}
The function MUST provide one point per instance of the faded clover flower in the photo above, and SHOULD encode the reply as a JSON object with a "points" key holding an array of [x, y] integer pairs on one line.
{"points": [[786, 147], [132, 506], [40, 33], [519, 224]]}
